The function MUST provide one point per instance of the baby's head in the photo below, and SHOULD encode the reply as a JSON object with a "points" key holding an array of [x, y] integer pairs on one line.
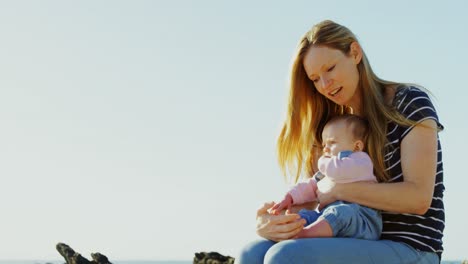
{"points": [[344, 132]]}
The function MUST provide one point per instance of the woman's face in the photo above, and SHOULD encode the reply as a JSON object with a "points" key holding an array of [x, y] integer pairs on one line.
{"points": [[335, 74]]}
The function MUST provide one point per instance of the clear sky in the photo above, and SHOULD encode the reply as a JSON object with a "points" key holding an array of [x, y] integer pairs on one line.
{"points": [[146, 129]]}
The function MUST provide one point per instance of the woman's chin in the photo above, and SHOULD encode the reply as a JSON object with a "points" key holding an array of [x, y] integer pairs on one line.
{"points": [[337, 100]]}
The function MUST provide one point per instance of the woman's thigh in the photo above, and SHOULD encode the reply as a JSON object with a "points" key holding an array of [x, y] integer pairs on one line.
{"points": [[254, 252], [334, 250]]}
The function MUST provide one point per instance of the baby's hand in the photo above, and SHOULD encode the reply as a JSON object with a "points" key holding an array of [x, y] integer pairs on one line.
{"points": [[286, 203]]}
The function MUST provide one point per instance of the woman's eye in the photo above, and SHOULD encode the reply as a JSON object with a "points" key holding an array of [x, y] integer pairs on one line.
{"points": [[331, 68], [315, 80]]}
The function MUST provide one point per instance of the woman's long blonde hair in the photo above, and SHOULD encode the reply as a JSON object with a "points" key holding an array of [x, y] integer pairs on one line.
{"points": [[299, 143]]}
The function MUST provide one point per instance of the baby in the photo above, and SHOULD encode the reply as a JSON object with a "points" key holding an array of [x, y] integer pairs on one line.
{"points": [[343, 161]]}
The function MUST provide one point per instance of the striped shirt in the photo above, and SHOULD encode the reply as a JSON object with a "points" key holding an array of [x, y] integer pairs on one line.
{"points": [[423, 232]]}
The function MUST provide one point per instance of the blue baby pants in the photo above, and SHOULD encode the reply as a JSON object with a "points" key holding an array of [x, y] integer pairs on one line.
{"points": [[348, 220]]}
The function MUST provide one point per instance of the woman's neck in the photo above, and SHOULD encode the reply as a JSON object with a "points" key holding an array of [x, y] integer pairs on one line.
{"points": [[355, 110], [355, 104]]}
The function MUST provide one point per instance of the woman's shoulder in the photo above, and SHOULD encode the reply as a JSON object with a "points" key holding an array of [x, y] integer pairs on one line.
{"points": [[414, 103], [406, 93]]}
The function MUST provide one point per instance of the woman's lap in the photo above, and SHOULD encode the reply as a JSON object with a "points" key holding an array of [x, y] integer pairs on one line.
{"points": [[333, 250]]}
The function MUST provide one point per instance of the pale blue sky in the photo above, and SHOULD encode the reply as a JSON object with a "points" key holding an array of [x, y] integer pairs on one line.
{"points": [[146, 129]]}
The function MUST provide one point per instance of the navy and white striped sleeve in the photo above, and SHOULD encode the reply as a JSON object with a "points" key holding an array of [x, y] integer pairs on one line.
{"points": [[415, 105]]}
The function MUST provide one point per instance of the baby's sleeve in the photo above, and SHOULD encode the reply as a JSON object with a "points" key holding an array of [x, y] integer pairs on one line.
{"points": [[304, 192]]}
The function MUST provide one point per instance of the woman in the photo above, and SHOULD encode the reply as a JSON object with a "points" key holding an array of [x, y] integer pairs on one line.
{"points": [[331, 75]]}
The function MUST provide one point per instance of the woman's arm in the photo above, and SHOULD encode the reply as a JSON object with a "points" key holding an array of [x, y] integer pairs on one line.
{"points": [[414, 194]]}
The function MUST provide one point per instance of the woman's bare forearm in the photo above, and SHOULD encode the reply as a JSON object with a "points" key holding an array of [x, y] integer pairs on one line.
{"points": [[400, 197]]}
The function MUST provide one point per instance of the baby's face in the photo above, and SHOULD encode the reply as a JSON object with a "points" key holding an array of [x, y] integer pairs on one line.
{"points": [[336, 138]]}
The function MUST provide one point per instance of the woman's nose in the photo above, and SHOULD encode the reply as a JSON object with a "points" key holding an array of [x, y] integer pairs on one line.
{"points": [[325, 82]]}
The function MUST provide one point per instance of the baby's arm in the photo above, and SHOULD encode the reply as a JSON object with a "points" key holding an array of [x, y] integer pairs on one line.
{"points": [[301, 193], [348, 167], [286, 203], [304, 192]]}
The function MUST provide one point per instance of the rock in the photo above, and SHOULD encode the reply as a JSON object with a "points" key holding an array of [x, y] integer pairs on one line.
{"points": [[72, 257], [100, 258], [212, 258]]}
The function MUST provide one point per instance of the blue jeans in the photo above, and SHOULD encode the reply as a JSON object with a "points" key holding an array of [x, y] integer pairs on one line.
{"points": [[348, 220], [333, 251]]}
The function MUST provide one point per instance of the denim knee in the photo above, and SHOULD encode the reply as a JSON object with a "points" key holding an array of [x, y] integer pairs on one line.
{"points": [[279, 253], [292, 251], [254, 252]]}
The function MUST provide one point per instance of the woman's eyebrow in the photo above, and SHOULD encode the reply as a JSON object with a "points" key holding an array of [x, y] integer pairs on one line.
{"points": [[322, 67]]}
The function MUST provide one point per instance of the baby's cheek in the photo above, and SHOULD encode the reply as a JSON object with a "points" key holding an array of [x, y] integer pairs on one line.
{"points": [[334, 151]]}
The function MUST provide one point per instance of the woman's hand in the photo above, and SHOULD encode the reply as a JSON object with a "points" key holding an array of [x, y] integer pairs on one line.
{"points": [[332, 191], [328, 193], [277, 227]]}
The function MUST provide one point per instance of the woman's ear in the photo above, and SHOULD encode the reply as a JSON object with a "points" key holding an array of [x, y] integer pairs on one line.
{"points": [[356, 52], [358, 145]]}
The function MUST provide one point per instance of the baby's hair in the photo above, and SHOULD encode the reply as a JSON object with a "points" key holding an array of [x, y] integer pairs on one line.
{"points": [[359, 126]]}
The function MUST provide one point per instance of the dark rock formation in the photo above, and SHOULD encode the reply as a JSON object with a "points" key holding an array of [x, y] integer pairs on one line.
{"points": [[212, 258], [72, 257], [100, 258]]}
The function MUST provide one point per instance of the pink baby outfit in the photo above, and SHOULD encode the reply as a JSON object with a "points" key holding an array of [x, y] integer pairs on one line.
{"points": [[355, 167]]}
